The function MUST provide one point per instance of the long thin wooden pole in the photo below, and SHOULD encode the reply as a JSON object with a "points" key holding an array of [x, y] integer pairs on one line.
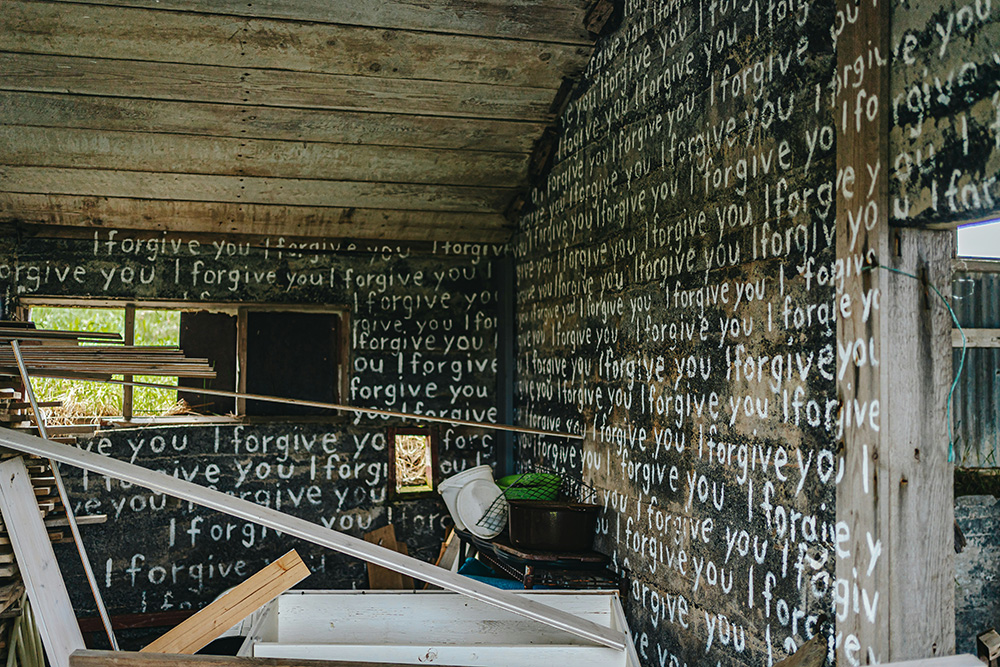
{"points": [[326, 537], [328, 406], [61, 486]]}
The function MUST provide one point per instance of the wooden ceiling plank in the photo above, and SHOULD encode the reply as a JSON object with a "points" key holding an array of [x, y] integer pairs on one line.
{"points": [[207, 39], [251, 189], [136, 151], [544, 20], [259, 122], [81, 217], [247, 86]]}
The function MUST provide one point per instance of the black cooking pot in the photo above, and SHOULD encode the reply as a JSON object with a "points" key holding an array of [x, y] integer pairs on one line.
{"points": [[552, 525]]}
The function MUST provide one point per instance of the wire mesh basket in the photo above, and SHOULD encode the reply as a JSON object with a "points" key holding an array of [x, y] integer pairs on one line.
{"points": [[534, 483]]}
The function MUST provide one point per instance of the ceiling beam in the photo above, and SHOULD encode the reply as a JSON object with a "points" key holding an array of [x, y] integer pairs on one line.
{"points": [[81, 216], [262, 122], [94, 31], [247, 86], [543, 20], [186, 154], [252, 189]]}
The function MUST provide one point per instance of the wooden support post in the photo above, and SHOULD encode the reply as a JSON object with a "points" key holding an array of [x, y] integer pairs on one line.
{"points": [[918, 541], [894, 502], [862, 492], [297, 527], [208, 624], [39, 568]]}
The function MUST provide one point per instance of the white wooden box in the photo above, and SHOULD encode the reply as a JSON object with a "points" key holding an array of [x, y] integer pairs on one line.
{"points": [[433, 627]]}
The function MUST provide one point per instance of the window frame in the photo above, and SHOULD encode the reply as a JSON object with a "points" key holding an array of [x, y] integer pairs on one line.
{"points": [[238, 310], [432, 442]]}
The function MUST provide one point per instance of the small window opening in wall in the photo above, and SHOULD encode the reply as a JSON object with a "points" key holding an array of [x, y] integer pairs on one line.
{"points": [[296, 352], [412, 461], [981, 239], [83, 401]]}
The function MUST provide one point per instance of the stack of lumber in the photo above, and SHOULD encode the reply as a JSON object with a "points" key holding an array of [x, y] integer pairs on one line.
{"points": [[72, 354]]}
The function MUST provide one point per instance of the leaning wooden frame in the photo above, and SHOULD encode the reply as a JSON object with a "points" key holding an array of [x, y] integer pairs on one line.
{"points": [[326, 537]]}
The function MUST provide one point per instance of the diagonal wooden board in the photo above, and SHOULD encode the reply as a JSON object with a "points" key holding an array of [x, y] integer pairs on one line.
{"points": [[42, 579], [242, 600], [297, 527]]}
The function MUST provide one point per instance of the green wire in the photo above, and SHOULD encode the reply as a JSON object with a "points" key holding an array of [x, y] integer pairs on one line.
{"points": [[961, 363]]}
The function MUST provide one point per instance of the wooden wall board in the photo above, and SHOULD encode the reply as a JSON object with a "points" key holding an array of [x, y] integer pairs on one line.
{"points": [[39, 568], [263, 122], [253, 190], [975, 338], [187, 154], [211, 39], [968, 265], [920, 533], [236, 85], [79, 216], [546, 20]]}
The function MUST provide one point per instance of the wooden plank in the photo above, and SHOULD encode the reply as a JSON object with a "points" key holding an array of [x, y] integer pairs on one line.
{"points": [[186, 154], [918, 537], [80, 520], [253, 190], [239, 602], [242, 339], [13, 333], [78, 217], [862, 506], [211, 39], [445, 654], [975, 265], [297, 527], [129, 336], [88, 658], [261, 122], [248, 86], [975, 338], [379, 578], [39, 568], [549, 20]]}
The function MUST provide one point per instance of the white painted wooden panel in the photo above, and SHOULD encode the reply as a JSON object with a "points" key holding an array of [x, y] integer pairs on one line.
{"points": [[46, 589], [442, 655], [334, 617], [946, 661]]}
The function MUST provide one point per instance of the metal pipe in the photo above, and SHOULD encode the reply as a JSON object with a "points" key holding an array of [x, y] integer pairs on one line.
{"points": [[327, 406], [70, 517]]}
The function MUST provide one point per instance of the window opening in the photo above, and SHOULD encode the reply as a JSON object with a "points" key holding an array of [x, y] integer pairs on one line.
{"points": [[287, 351], [980, 239], [412, 461], [87, 400]]}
